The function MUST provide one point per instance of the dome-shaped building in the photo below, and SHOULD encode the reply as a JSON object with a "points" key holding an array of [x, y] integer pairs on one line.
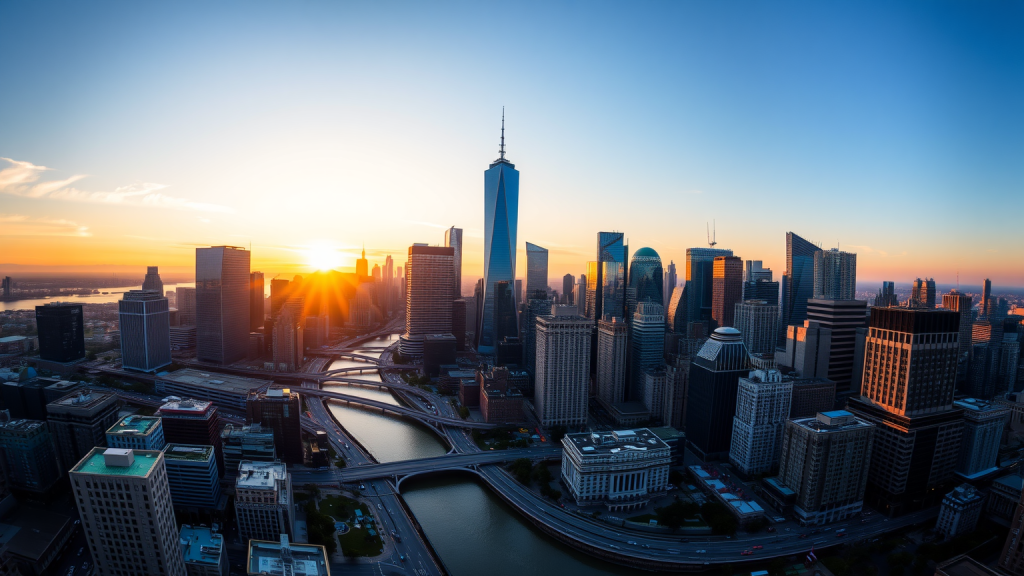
{"points": [[645, 281]]}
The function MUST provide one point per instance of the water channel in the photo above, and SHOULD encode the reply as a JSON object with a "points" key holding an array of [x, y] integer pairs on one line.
{"points": [[471, 529]]}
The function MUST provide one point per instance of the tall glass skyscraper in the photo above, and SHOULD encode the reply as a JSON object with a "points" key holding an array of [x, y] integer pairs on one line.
{"points": [[645, 280], [453, 239], [700, 273], [611, 274], [222, 304], [536, 271], [798, 281], [501, 220]]}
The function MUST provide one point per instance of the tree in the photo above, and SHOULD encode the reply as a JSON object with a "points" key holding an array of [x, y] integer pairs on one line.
{"points": [[320, 528], [313, 489], [675, 477], [522, 469], [719, 519], [464, 412]]}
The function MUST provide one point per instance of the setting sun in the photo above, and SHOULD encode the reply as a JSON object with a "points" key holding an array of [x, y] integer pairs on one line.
{"points": [[322, 257]]}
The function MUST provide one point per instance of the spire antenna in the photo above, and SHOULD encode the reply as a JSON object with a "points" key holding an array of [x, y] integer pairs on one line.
{"points": [[711, 238], [501, 151]]}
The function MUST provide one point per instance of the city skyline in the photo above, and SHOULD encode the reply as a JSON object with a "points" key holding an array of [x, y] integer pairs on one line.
{"points": [[163, 174]]}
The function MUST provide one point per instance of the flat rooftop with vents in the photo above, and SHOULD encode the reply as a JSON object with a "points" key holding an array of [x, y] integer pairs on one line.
{"points": [[284, 557], [224, 390]]}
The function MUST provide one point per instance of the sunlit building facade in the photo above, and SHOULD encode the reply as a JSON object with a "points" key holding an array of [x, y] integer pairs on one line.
{"points": [[222, 304], [536, 271]]}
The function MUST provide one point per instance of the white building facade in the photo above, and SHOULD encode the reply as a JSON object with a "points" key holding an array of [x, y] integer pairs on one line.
{"points": [[621, 470], [263, 500], [762, 407]]}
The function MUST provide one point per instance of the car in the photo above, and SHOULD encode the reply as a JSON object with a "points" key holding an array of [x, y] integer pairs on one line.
{"points": [[702, 551], [379, 507], [840, 534], [77, 522], [758, 547], [631, 543], [80, 550], [401, 557], [771, 528], [644, 546], [746, 553], [362, 487]]}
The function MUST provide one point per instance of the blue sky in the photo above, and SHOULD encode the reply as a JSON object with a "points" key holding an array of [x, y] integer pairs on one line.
{"points": [[895, 130]]}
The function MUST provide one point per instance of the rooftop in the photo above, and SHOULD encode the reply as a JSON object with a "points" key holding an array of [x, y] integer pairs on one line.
{"points": [[21, 425], [267, 557], [86, 398], [186, 406], [980, 406], [226, 382], [964, 566], [726, 491], [196, 452], [964, 494], [605, 443], [832, 421], [260, 474], [118, 462], [200, 545], [29, 531], [135, 426]]}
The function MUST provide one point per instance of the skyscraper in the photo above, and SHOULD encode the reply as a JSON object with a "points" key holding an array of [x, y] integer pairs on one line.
{"points": [[222, 304], [670, 282], [145, 330], [983, 429], [256, 297], [611, 361], [8, 284], [798, 281], [191, 421], [79, 422], [711, 400], [29, 461], [986, 298], [185, 299], [727, 289], [536, 271], [842, 318], [675, 317], [758, 284], [153, 281], [124, 501], [758, 321], [645, 280], [568, 286], [362, 266], [835, 275], [610, 275], [563, 368], [263, 500], [453, 240], [580, 295], [647, 344], [923, 293], [61, 329], [700, 273], [192, 476], [280, 289], [535, 308], [428, 303], [762, 407], [907, 392], [501, 220], [887, 295], [961, 304], [279, 410]]}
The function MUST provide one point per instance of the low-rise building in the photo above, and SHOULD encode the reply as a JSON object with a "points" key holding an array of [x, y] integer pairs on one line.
{"points": [[35, 539], [137, 432], [225, 390], [500, 402], [629, 414], [621, 470], [723, 490], [960, 511], [469, 392], [1003, 495], [203, 551], [964, 565], [449, 380], [263, 500], [280, 556]]}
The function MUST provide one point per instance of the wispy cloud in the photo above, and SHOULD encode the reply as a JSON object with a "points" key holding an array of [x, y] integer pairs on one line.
{"points": [[24, 179], [21, 225]]}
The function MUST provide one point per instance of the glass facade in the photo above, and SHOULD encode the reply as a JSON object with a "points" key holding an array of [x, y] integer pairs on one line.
{"points": [[798, 281], [222, 304], [611, 274], [700, 271], [501, 219], [536, 270], [645, 280]]}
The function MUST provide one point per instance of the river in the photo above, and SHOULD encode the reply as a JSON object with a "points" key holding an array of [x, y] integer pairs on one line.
{"points": [[471, 529], [112, 295]]}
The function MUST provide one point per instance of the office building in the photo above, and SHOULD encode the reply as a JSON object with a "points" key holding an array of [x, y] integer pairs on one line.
{"points": [[501, 219], [193, 476], [645, 280], [580, 295], [808, 349], [825, 461], [536, 271], [145, 331], [284, 557], [191, 421], [611, 361], [152, 280], [670, 283], [983, 429], [675, 318], [428, 304], [960, 511], [263, 500], [535, 307], [922, 295], [288, 341], [607, 278], [961, 304], [758, 321], [762, 407], [226, 390], [222, 304], [647, 344], [842, 318], [762, 290], [726, 290], [810, 396], [185, 301], [28, 456], [568, 289], [1012, 558], [835, 275], [453, 240], [621, 470], [887, 295], [137, 433], [183, 337], [711, 397], [256, 301], [562, 380], [251, 442], [798, 281], [278, 409], [907, 392], [61, 332], [125, 506], [500, 401], [657, 395], [8, 285], [439, 350], [203, 551], [699, 286], [79, 422]]}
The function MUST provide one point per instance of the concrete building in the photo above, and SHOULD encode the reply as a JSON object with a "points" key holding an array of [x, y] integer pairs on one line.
{"points": [[762, 407], [252, 442], [758, 321], [983, 429], [225, 390], [453, 240], [922, 294], [203, 551], [825, 461], [810, 396], [842, 318], [961, 304], [125, 507], [563, 368], [192, 476], [438, 350], [611, 360], [28, 456], [283, 557], [535, 307], [1003, 495], [835, 275], [183, 337], [658, 396], [430, 279], [79, 422], [280, 410], [711, 396], [960, 512], [145, 331], [61, 329], [185, 302], [727, 289], [137, 433], [191, 421], [620, 470], [222, 304], [33, 541], [500, 402], [647, 345], [1012, 558], [536, 271], [263, 500], [808, 348], [719, 488]]}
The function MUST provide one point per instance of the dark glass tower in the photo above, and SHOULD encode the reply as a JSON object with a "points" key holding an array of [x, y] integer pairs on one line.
{"points": [[700, 271], [611, 274], [536, 271], [798, 281], [715, 374], [645, 280], [222, 304], [61, 332], [501, 220]]}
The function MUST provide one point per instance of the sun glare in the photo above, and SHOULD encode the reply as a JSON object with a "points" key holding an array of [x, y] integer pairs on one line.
{"points": [[321, 257]]}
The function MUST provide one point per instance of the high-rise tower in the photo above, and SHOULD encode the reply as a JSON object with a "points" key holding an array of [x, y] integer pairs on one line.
{"points": [[609, 275], [501, 221], [222, 304], [645, 280], [256, 298], [961, 304], [453, 239], [428, 303], [152, 280], [798, 281], [923, 293], [835, 275], [536, 271], [670, 280], [700, 272], [726, 290]]}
